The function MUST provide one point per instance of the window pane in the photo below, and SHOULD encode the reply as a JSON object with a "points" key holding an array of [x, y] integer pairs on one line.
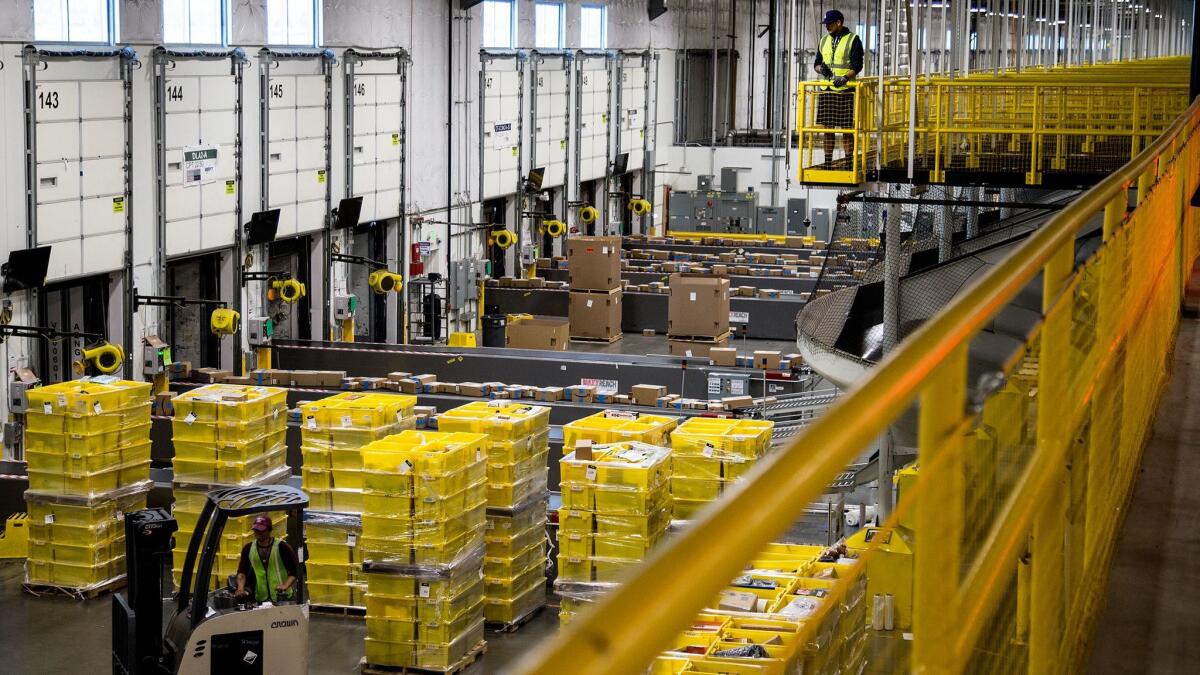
{"points": [[548, 26], [87, 21], [497, 24], [206, 22], [593, 28], [175, 21], [277, 22], [71, 20], [49, 23], [301, 28]]}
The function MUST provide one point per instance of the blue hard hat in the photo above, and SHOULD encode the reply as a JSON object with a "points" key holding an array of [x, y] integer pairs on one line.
{"points": [[833, 15]]}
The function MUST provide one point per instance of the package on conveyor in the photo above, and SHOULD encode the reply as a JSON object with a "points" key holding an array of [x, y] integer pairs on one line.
{"points": [[334, 568], [333, 431], [519, 445], [229, 434], [777, 616], [78, 542], [88, 437], [615, 507], [615, 426], [708, 453], [424, 503], [514, 566], [189, 500]]}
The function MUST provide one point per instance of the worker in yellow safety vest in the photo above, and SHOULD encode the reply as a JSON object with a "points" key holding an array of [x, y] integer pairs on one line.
{"points": [[839, 60], [270, 567]]}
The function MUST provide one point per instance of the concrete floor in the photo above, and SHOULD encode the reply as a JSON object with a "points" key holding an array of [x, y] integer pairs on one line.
{"points": [[54, 635], [1152, 616]]}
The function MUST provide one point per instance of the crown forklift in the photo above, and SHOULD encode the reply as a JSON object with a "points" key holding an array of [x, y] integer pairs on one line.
{"points": [[210, 632]]}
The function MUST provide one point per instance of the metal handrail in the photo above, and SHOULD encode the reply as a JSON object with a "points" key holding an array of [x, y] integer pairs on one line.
{"points": [[626, 628]]}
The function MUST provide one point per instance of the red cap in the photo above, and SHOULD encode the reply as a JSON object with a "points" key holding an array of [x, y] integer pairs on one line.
{"points": [[261, 524]]}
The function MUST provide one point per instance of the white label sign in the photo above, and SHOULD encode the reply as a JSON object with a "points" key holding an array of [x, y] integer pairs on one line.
{"points": [[634, 116], [504, 135], [739, 317], [199, 164], [602, 386]]}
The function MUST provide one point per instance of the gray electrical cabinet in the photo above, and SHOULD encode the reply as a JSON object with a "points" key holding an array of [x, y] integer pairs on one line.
{"points": [[704, 182], [464, 281], [729, 182], [797, 211], [821, 224], [771, 220]]}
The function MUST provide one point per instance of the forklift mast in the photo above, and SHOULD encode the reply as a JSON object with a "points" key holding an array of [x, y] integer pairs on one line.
{"points": [[138, 614]]}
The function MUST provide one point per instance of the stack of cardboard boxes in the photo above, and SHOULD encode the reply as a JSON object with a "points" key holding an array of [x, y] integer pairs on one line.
{"points": [[87, 444], [424, 499], [697, 314], [595, 270]]}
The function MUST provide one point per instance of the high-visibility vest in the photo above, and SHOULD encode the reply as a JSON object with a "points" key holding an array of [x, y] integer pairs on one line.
{"points": [[268, 577], [837, 57]]}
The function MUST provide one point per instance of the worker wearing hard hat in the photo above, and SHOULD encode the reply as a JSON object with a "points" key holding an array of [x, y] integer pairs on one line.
{"points": [[270, 568], [839, 60]]}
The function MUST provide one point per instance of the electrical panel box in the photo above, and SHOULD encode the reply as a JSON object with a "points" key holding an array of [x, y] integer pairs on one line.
{"points": [[464, 281], [18, 399], [821, 224], [729, 181], [259, 330], [343, 306], [529, 254], [704, 182], [721, 385], [771, 220], [797, 211], [152, 360]]}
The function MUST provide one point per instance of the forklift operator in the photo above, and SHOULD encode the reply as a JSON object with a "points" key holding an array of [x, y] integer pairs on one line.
{"points": [[271, 568]]}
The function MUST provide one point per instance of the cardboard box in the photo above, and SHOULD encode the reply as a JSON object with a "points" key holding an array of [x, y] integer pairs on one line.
{"points": [[319, 378], [583, 449], [695, 348], [582, 393], [470, 389], [595, 315], [698, 306], [737, 601], [594, 263], [720, 270], [162, 404], [767, 359], [649, 332], [723, 356], [548, 394], [647, 394], [551, 333], [210, 375], [737, 402], [239, 379], [410, 386]]}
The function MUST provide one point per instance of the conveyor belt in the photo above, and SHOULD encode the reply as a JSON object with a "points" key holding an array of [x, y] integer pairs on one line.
{"points": [[795, 285], [770, 319]]}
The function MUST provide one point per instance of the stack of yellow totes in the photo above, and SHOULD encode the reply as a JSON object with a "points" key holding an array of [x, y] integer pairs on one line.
{"points": [[335, 558], [226, 435], [778, 616], [708, 453], [614, 426], [615, 506], [333, 432], [519, 443], [424, 500], [87, 444], [515, 563]]}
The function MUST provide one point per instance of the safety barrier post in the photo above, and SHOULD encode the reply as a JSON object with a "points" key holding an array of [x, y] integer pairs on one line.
{"points": [[1047, 587], [938, 514]]}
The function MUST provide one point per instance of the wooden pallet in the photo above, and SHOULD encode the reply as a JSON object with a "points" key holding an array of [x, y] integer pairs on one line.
{"points": [[458, 666], [339, 610], [89, 593], [597, 340], [703, 339], [513, 626]]}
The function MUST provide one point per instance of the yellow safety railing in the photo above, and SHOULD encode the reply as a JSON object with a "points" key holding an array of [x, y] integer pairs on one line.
{"points": [[1076, 124], [1021, 478]]}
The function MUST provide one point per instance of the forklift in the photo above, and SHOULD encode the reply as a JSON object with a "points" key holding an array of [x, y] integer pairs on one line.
{"points": [[208, 632]]}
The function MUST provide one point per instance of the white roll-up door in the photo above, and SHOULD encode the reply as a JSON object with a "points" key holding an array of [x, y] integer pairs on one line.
{"points": [[376, 140], [551, 114], [80, 166], [501, 113], [592, 93], [296, 119], [200, 154]]}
